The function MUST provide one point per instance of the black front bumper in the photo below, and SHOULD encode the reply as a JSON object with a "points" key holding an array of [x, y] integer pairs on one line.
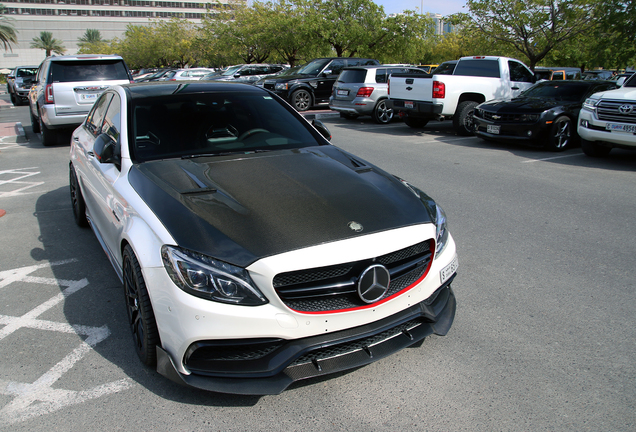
{"points": [[314, 356]]}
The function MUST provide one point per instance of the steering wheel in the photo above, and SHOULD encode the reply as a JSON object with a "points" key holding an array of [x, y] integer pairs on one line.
{"points": [[251, 132]]}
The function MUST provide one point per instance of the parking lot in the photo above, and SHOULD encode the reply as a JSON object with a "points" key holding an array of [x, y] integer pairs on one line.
{"points": [[544, 337]]}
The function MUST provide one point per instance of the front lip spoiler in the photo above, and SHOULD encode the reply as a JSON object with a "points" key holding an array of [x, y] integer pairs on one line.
{"points": [[409, 327]]}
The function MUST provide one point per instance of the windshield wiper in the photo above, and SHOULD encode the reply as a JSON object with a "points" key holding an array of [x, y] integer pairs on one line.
{"points": [[227, 153]]}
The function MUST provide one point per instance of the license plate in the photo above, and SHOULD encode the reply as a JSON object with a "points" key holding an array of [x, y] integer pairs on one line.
{"points": [[343, 92], [449, 270], [89, 97], [620, 127], [493, 129], [409, 104]]}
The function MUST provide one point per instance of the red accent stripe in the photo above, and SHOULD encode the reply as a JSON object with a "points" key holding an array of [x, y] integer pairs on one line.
{"points": [[372, 305], [2, 212]]}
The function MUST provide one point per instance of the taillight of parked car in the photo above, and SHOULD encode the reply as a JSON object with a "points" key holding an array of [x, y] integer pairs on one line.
{"points": [[365, 92], [48, 94], [439, 90]]}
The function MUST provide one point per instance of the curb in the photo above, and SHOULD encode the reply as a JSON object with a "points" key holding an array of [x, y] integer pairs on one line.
{"points": [[20, 136]]}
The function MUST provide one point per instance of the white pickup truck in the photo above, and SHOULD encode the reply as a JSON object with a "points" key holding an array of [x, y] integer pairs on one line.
{"points": [[473, 80]]}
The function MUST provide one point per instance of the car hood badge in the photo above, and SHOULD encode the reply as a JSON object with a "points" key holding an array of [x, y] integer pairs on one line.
{"points": [[373, 283], [355, 226]]}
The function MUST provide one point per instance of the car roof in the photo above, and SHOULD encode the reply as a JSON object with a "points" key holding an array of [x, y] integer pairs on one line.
{"points": [[165, 88], [86, 57]]}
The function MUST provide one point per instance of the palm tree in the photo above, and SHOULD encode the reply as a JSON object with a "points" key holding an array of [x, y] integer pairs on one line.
{"points": [[91, 36], [48, 44], [7, 30]]}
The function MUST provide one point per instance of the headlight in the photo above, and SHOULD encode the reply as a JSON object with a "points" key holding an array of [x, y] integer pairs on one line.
{"points": [[529, 117], [437, 214], [281, 86], [590, 104], [210, 279]]}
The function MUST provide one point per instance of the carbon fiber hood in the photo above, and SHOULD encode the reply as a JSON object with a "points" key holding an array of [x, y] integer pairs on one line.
{"points": [[241, 208]]}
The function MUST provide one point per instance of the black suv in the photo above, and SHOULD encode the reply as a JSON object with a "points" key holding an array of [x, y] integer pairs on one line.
{"points": [[312, 83]]}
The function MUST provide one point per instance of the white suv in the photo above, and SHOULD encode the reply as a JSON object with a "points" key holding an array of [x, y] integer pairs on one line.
{"points": [[608, 120], [66, 87]]}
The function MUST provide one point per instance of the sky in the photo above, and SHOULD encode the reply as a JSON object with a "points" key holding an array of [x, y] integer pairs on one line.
{"points": [[444, 7]]}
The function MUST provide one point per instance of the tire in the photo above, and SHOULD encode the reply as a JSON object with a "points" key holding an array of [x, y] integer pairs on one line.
{"points": [[560, 134], [77, 200], [463, 118], [592, 149], [49, 137], [35, 123], [381, 113], [14, 99], [140, 314], [415, 122], [301, 100]]}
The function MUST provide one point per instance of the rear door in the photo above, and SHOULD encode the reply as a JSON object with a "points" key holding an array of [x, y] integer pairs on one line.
{"points": [[349, 82], [78, 83]]}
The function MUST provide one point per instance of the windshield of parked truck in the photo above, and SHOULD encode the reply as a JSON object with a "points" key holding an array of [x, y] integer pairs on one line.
{"points": [[313, 67], [231, 70]]}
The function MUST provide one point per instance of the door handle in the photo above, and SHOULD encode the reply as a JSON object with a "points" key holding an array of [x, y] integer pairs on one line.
{"points": [[515, 88]]}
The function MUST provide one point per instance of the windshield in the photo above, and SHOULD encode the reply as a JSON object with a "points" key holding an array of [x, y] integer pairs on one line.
{"points": [[557, 90], [313, 67], [26, 72], [232, 70], [192, 125], [631, 82]]}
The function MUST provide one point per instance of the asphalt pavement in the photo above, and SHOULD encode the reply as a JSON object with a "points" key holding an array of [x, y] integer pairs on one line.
{"points": [[544, 337]]}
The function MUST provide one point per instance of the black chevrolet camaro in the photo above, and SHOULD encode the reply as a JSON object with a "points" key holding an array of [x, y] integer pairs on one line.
{"points": [[544, 115]]}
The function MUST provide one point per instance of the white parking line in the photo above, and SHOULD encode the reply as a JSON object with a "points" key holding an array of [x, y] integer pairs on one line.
{"points": [[39, 398], [21, 173], [550, 158]]}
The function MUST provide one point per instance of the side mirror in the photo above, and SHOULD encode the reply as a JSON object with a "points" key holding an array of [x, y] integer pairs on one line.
{"points": [[620, 81], [104, 149], [320, 127], [237, 75], [327, 72]]}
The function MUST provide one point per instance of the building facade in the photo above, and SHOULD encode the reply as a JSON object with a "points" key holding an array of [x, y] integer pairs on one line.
{"points": [[68, 20]]}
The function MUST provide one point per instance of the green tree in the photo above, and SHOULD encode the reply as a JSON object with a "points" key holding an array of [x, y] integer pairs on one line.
{"points": [[48, 44], [8, 34], [91, 36], [92, 43], [531, 27]]}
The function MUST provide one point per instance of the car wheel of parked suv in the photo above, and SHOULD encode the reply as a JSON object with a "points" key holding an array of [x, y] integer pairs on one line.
{"points": [[381, 113], [590, 148], [48, 136], [301, 100], [35, 123]]}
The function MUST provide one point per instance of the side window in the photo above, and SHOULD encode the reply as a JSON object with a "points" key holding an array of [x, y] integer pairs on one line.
{"points": [[518, 72], [95, 117], [336, 66], [112, 119], [558, 75], [380, 76]]}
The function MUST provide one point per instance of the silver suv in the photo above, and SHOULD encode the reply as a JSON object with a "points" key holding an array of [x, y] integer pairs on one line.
{"points": [[364, 90], [66, 87]]}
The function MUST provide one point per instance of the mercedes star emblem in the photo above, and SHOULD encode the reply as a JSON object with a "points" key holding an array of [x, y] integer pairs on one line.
{"points": [[355, 226], [373, 283]]}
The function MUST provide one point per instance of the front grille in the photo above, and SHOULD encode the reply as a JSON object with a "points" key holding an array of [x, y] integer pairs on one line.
{"points": [[609, 110], [504, 118], [335, 287], [355, 345]]}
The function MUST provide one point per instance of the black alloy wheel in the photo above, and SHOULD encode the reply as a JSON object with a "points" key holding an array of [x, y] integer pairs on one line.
{"points": [[140, 314], [301, 100], [77, 200], [560, 134], [381, 113]]}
